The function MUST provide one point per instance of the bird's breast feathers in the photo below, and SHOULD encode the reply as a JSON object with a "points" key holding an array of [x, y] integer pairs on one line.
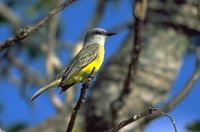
{"points": [[82, 74], [97, 62]]}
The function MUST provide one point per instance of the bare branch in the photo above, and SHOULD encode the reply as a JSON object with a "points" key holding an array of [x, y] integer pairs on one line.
{"points": [[81, 100], [139, 15], [138, 116], [25, 32], [52, 61], [28, 73], [167, 115], [198, 7], [183, 93], [57, 103], [188, 86]]}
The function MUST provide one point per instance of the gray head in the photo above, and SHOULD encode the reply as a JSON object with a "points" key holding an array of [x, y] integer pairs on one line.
{"points": [[97, 35]]}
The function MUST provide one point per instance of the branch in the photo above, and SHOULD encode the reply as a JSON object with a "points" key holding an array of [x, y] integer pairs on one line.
{"points": [[138, 116], [81, 100], [139, 15], [57, 103], [28, 73], [198, 8], [52, 61], [188, 86], [183, 93], [25, 32]]}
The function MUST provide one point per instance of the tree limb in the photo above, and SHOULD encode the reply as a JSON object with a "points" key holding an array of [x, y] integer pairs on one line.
{"points": [[140, 115], [139, 12], [25, 32], [52, 61]]}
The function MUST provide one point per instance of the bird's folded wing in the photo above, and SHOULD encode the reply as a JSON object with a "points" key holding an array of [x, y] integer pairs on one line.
{"points": [[83, 58]]}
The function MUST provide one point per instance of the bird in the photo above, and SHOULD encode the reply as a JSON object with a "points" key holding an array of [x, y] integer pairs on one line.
{"points": [[89, 58]]}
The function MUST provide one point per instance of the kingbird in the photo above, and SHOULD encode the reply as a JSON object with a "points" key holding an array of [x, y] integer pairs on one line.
{"points": [[89, 58]]}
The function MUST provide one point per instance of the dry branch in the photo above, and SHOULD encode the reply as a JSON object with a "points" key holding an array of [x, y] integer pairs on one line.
{"points": [[139, 12], [52, 61], [25, 32], [138, 116]]}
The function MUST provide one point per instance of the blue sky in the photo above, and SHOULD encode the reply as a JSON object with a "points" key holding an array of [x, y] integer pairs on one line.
{"points": [[74, 19]]}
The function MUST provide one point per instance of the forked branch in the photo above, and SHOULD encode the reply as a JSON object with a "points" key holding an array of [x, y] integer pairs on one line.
{"points": [[138, 116]]}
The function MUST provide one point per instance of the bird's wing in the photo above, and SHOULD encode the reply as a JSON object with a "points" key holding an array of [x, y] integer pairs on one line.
{"points": [[84, 57]]}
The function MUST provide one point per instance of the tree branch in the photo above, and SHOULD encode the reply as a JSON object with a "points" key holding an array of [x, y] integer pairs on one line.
{"points": [[81, 100], [25, 32], [28, 73], [138, 116], [188, 86], [139, 12], [183, 93]]}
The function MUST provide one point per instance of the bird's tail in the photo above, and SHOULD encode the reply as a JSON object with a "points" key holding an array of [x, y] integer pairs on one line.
{"points": [[52, 84]]}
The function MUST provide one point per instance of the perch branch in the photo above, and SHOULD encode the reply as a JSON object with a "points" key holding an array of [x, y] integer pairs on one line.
{"points": [[138, 116], [81, 100], [25, 32]]}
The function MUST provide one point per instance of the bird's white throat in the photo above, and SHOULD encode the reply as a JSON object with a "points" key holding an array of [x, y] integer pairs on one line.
{"points": [[99, 39]]}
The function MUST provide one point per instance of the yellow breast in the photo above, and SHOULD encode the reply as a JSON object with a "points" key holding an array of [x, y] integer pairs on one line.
{"points": [[97, 62], [82, 74]]}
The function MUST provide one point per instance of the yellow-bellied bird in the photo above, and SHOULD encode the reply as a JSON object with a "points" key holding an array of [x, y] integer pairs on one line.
{"points": [[90, 56]]}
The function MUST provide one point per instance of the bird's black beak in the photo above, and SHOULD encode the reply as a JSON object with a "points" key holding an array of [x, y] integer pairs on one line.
{"points": [[110, 33]]}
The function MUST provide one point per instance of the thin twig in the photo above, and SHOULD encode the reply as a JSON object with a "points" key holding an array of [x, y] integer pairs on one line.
{"points": [[167, 115], [25, 32], [81, 100], [188, 86], [138, 116], [184, 92], [27, 72], [52, 61]]}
